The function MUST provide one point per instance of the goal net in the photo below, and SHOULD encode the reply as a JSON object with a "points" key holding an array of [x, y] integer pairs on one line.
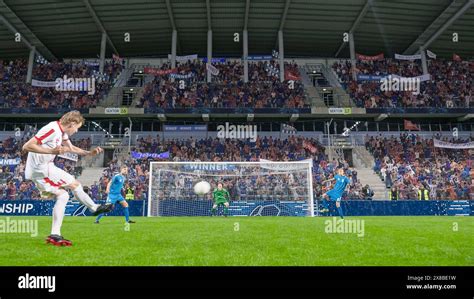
{"points": [[263, 188]]}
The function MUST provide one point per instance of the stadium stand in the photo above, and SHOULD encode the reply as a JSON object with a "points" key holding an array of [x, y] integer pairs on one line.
{"points": [[315, 84], [226, 150], [15, 93], [405, 163], [410, 162], [227, 89], [451, 84]]}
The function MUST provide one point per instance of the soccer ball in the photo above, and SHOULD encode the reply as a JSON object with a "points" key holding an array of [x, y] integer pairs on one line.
{"points": [[202, 188]]}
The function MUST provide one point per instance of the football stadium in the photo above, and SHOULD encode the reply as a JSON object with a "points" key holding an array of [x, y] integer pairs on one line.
{"points": [[236, 133]]}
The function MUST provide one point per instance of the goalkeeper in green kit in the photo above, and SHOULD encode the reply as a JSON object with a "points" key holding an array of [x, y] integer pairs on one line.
{"points": [[220, 196]]}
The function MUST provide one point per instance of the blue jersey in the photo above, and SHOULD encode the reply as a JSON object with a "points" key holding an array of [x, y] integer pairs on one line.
{"points": [[117, 184], [341, 183]]}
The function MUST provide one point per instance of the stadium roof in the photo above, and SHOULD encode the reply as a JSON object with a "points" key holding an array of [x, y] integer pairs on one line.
{"points": [[312, 28]]}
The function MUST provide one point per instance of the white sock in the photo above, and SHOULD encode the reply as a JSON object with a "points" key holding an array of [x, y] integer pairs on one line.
{"points": [[84, 198], [58, 213]]}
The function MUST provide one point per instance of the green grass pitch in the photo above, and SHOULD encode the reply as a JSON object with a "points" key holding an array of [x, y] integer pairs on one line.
{"points": [[258, 241]]}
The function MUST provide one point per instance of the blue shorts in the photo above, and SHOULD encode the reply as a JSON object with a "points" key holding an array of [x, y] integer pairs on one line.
{"points": [[334, 195], [114, 198]]}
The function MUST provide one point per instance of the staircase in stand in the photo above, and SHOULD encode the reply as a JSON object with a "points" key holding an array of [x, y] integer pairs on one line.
{"points": [[364, 163], [312, 94]]}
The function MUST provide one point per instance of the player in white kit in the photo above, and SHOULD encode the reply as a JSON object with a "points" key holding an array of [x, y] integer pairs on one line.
{"points": [[52, 140]]}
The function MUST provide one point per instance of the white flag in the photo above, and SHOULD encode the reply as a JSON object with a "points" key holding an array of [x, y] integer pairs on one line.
{"points": [[431, 54], [285, 166], [214, 71], [407, 57], [184, 58]]}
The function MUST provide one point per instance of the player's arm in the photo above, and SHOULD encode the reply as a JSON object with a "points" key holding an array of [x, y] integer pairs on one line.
{"points": [[329, 180], [76, 150], [34, 146], [214, 194]]}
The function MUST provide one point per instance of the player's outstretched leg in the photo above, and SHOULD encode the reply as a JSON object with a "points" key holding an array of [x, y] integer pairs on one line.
{"points": [[108, 205], [102, 209], [214, 210], [339, 209], [87, 201]]}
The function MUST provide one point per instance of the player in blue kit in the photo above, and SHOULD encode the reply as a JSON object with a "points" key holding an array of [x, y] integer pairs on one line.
{"points": [[335, 194], [114, 191]]}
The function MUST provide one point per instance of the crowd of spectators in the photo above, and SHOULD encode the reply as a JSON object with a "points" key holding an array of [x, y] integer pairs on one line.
{"points": [[409, 163], [451, 84], [13, 70], [16, 93], [275, 149], [227, 89]]}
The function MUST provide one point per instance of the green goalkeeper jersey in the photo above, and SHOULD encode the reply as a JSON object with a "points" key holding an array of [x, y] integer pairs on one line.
{"points": [[220, 195]]}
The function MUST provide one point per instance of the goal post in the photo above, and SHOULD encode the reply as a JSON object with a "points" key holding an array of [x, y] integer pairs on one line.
{"points": [[263, 188]]}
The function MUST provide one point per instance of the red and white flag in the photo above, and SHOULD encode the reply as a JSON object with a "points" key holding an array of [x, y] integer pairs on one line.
{"points": [[410, 126], [370, 58]]}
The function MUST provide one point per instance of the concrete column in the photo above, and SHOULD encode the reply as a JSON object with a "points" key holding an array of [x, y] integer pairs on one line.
{"points": [[353, 56], [103, 45], [282, 55], [246, 54], [174, 41], [209, 53], [31, 61], [424, 64]]}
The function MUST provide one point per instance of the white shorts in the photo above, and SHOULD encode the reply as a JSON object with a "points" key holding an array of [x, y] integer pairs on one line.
{"points": [[51, 180]]}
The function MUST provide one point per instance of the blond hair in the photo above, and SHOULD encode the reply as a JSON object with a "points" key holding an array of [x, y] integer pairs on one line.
{"points": [[72, 117]]}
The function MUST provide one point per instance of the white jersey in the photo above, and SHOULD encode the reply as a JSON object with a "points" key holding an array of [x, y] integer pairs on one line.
{"points": [[49, 136]]}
